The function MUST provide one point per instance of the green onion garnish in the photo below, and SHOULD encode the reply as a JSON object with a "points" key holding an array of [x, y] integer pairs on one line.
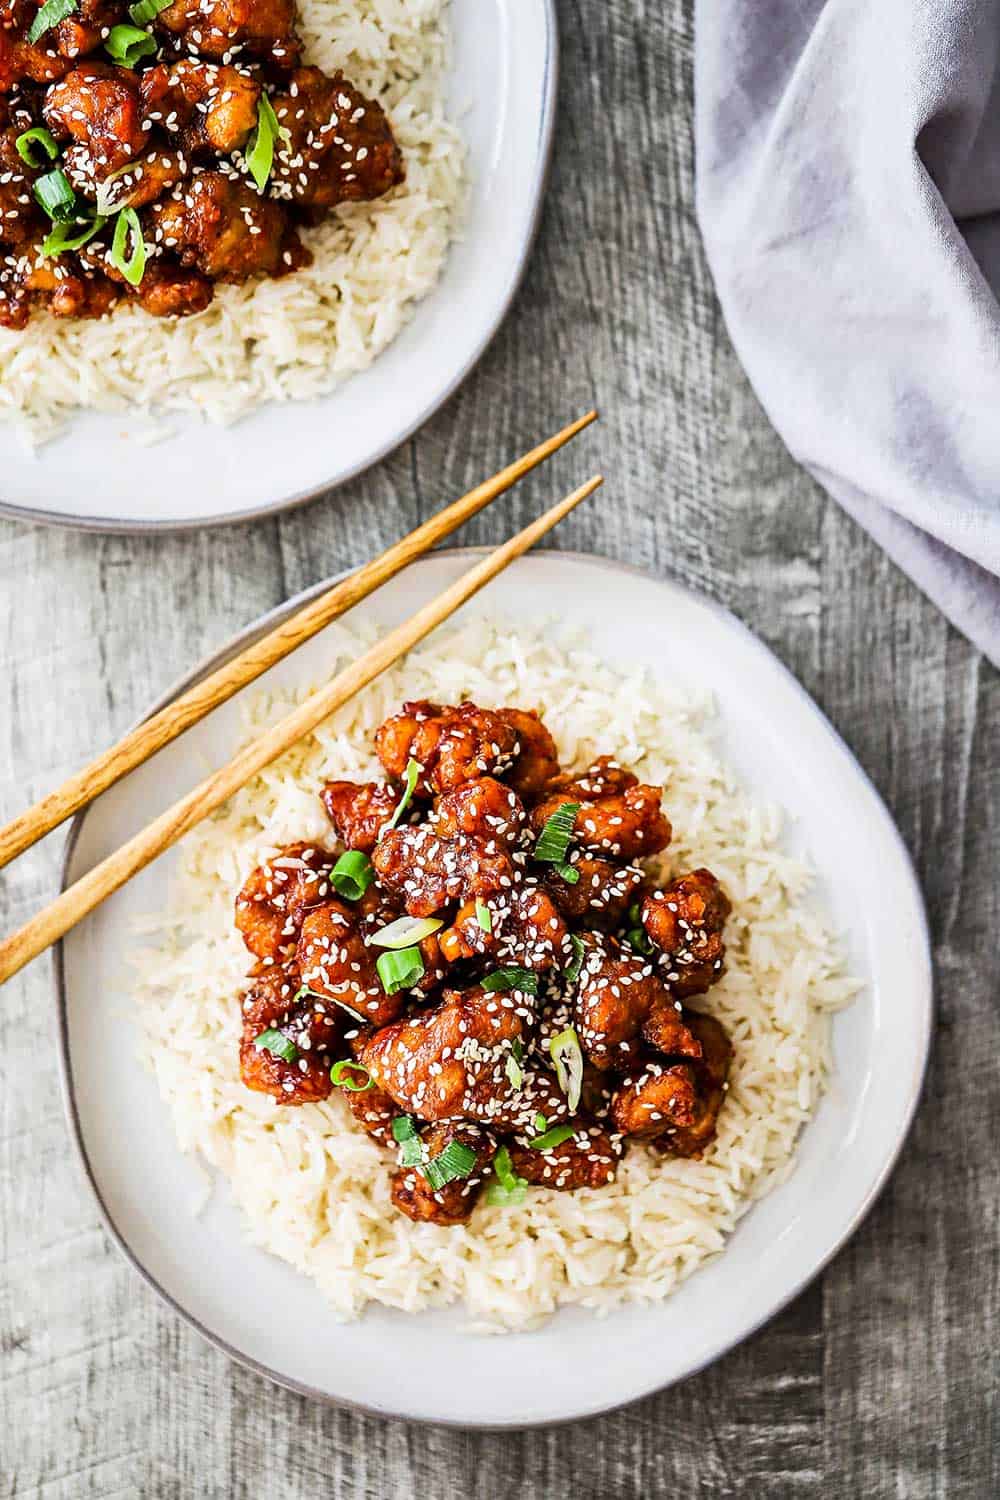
{"points": [[278, 1044], [572, 969], [554, 839], [511, 978], [635, 914], [403, 1129], [340, 1077], [456, 1160], [44, 138], [71, 236], [540, 1122], [147, 10], [569, 873], [128, 45], [406, 932], [508, 1188], [399, 970], [330, 1000], [352, 875], [55, 195], [51, 13], [637, 939], [132, 268], [107, 203], [483, 916], [551, 1138], [260, 154], [568, 1059], [412, 1153], [515, 1072], [411, 777]]}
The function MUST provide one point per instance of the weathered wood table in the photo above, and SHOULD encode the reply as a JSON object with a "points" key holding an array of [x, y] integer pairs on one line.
{"points": [[882, 1379]]}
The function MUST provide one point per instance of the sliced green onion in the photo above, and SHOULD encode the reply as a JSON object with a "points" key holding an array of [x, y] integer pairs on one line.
{"points": [[278, 1044], [635, 914], [128, 45], [260, 154], [106, 202], [572, 969], [551, 1138], [132, 268], [515, 1072], [411, 778], [456, 1160], [483, 916], [399, 970], [637, 939], [51, 13], [568, 1059], [403, 1129], [340, 1076], [44, 138], [405, 932], [540, 1122], [352, 875], [71, 236], [331, 1000], [554, 839], [412, 1153], [511, 978], [55, 195], [147, 10], [508, 1188], [569, 873]]}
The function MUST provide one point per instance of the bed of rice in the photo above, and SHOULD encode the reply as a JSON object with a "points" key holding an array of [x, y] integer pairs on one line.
{"points": [[300, 336], [315, 1190]]}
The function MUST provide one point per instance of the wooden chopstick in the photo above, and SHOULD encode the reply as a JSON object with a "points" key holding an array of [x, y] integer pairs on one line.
{"points": [[141, 743], [91, 889]]}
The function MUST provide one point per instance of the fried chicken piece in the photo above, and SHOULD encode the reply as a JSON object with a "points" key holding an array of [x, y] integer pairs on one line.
{"points": [[97, 105], [209, 107], [226, 28], [619, 1002], [313, 1029], [415, 1196], [335, 961], [602, 895], [374, 1111], [359, 810], [483, 807], [338, 147], [657, 1096], [168, 291], [450, 745], [145, 180], [537, 761], [685, 921], [20, 60], [616, 815], [427, 873], [275, 897], [224, 229], [86, 28], [452, 1062], [523, 928], [713, 1073], [588, 1158], [21, 219], [62, 286]]}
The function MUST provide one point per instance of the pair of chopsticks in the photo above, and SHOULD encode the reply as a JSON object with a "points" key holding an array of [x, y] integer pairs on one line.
{"points": [[107, 877]]}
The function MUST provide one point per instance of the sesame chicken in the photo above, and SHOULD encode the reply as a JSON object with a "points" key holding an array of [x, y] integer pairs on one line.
{"points": [[309, 1029], [208, 107], [224, 229], [522, 1002], [684, 921], [222, 28], [98, 106], [337, 145], [21, 220], [359, 812]]}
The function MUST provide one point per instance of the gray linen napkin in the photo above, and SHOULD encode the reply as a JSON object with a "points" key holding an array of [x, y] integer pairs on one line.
{"points": [[848, 172]]}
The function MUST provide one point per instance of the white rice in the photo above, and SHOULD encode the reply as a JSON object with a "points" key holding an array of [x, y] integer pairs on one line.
{"points": [[299, 336], [315, 1190]]}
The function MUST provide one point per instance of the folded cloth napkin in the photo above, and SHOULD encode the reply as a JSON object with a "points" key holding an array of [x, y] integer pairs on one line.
{"points": [[848, 180]]}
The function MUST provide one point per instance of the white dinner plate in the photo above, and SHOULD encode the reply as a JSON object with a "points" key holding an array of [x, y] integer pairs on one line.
{"points": [[99, 475], [424, 1366]]}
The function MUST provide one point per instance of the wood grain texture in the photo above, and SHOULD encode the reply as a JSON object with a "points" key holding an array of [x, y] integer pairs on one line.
{"points": [[881, 1380]]}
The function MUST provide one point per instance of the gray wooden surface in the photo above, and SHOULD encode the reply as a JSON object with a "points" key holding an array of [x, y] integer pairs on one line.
{"points": [[881, 1380]]}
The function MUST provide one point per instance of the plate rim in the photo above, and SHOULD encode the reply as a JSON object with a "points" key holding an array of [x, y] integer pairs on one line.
{"points": [[109, 526], [815, 1267]]}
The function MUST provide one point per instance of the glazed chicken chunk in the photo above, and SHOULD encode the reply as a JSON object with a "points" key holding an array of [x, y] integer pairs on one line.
{"points": [[427, 872], [359, 811], [620, 1003], [224, 229], [601, 896], [301, 1026], [98, 106], [537, 760], [226, 29], [616, 817], [587, 1158], [451, 1203], [276, 896], [337, 145], [450, 745], [484, 807], [208, 107], [685, 922]]}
